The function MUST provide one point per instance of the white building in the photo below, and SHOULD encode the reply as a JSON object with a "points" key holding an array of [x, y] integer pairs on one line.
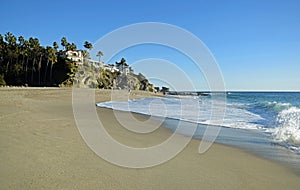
{"points": [[76, 55], [111, 68], [124, 69]]}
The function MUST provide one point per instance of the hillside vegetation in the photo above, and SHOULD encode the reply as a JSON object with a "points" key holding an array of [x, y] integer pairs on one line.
{"points": [[27, 63]]}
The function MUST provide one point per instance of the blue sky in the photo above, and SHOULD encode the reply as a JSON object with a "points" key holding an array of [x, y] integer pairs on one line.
{"points": [[255, 42]]}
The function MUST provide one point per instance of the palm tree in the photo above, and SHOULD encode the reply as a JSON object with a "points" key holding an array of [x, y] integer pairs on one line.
{"points": [[123, 61], [26, 54], [99, 54], [122, 64], [21, 41], [22, 51], [40, 65], [64, 42], [48, 55], [88, 45], [11, 42], [53, 59], [34, 46], [55, 46], [10, 38], [72, 47]]}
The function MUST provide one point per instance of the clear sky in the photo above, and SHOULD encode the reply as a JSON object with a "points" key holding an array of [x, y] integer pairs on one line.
{"points": [[255, 42]]}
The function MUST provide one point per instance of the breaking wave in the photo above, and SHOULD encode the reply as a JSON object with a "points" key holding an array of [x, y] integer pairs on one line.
{"points": [[287, 132]]}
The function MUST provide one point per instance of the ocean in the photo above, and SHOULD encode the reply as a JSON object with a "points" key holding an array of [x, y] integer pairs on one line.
{"points": [[265, 123]]}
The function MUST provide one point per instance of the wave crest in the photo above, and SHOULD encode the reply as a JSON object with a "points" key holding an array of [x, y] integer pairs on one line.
{"points": [[288, 130], [276, 106]]}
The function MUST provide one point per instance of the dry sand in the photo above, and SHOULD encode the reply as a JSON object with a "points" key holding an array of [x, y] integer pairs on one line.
{"points": [[41, 148]]}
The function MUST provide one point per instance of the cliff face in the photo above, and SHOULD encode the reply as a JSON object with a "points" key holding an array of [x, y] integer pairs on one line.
{"points": [[89, 76], [134, 82]]}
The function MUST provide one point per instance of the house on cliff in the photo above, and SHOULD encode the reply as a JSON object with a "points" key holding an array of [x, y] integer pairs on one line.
{"points": [[73, 55]]}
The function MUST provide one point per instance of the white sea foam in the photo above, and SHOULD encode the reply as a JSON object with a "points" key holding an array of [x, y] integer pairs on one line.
{"points": [[288, 130], [192, 110]]}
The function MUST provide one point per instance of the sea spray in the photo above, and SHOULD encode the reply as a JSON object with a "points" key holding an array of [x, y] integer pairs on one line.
{"points": [[288, 130]]}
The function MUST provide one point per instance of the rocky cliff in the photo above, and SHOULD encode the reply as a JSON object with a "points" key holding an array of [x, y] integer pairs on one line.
{"points": [[89, 76]]}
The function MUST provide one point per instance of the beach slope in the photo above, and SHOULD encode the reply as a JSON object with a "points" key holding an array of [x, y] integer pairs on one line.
{"points": [[41, 148]]}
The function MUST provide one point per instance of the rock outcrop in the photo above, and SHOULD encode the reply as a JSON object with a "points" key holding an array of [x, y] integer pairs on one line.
{"points": [[89, 76]]}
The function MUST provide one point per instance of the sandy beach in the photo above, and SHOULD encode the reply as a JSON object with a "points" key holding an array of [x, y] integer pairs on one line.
{"points": [[41, 148]]}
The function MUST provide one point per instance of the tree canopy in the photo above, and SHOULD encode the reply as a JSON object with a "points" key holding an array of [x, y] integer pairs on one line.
{"points": [[88, 45]]}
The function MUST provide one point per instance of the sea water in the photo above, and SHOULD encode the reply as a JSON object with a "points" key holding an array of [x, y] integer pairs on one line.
{"points": [[267, 123]]}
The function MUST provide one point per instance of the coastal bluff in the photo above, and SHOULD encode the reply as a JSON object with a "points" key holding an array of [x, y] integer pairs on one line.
{"points": [[93, 76]]}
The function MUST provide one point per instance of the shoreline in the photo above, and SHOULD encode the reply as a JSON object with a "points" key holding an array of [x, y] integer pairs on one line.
{"points": [[266, 149], [239, 148], [41, 148]]}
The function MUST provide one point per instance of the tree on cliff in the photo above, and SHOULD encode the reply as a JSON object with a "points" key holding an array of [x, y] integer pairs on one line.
{"points": [[99, 54], [121, 63], [88, 45], [64, 42]]}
